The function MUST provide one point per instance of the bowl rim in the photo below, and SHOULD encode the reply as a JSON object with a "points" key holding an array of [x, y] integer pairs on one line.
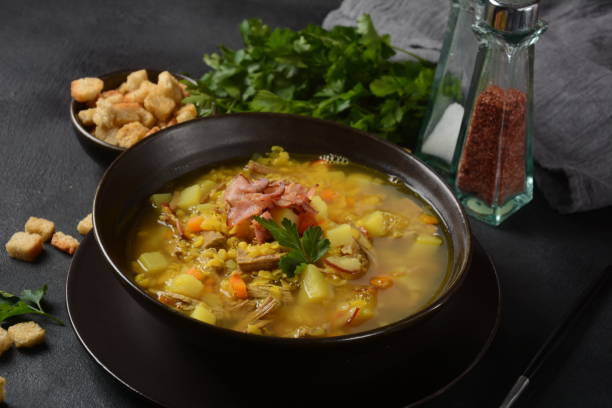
{"points": [[76, 123], [301, 341]]}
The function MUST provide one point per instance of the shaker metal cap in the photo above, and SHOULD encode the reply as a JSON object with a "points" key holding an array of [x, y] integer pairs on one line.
{"points": [[511, 16]]}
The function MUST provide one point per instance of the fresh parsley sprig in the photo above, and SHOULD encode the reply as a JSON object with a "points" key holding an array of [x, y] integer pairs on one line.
{"points": [[344, 74], [27, 303], [303, 251]]}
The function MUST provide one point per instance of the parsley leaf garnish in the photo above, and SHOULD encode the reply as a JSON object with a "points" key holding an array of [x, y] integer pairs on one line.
{"points": [[303, 251], [27, 303], [344, 74]]}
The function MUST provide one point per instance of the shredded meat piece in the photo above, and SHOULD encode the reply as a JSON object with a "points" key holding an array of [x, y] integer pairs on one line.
{"points": [[175, 300], [264, 307], [258, 263]]}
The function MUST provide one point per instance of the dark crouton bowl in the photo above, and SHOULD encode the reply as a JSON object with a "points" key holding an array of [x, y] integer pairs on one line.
{"points": [[97, 148], [146, 167]]}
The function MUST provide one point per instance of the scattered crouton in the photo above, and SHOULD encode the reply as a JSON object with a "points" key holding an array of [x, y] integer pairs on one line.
{"points": [[5, 341], [86, 116], [86, 89], [131, 134], [139, 95], [85, 225], [28, 334], [126, 112], [40, 226], [2, 389], [24, 246], [159, 105], [146, 118], [64, 242], [185, 113], [135, 79]]}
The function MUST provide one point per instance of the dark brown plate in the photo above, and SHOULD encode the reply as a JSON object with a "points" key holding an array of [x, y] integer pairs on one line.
{"points": [[146, 356]]}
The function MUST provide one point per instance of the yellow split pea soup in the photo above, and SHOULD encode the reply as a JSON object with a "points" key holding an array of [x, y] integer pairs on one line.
{"points": [[292, 247]]}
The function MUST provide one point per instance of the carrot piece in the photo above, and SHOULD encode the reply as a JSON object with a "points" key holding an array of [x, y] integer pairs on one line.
{"points": [[327, 194], [196, 273], [428, 219], [238, 286], [193, 225], [319, 162], [306, 220], [381, 282]]}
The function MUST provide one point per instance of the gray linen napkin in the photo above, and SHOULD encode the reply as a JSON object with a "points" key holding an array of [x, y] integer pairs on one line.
{"points": [[573, 87]]}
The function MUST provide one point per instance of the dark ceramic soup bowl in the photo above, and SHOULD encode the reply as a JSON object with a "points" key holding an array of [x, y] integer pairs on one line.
{"points": [[97, 148], [205, 143]]}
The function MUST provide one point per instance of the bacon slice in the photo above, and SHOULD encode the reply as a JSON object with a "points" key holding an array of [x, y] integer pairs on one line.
{"points": [[296, 196], [247, 199], [261, 233]]}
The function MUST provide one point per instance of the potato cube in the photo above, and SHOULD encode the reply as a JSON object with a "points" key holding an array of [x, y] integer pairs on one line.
{"points": [[24, 246], [28, 334], [314, 287], [152, 262], [5, 341], [159, 105], [187, 112], [86, 116], [190, 196], [204, 314], [135, 79], [64, 242], [40, 226], [86, 89], [186, 285], [85, 225], [131, 134], [375, 223], [169, 86], [340, 236], [320, 206]]}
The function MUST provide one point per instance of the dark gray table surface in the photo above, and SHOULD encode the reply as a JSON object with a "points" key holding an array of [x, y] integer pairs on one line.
{"points": [[543, 259]]}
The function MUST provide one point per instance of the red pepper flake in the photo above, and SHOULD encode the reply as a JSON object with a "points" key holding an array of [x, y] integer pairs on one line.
{"points": [[492, 163]]}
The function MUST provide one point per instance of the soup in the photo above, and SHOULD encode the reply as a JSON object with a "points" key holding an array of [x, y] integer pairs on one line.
{"points": [[292, 247]]}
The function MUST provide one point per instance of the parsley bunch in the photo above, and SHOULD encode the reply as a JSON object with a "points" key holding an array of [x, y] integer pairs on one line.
{"points": [[303, 251], [343, 74], [27, 303]]}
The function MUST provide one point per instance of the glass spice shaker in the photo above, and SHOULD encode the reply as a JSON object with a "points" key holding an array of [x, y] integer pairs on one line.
{"points": [[493, 168], [440, 130]]}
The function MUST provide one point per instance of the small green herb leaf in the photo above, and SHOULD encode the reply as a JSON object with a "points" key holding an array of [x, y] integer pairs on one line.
{"points": [[305, 250], [29, 303]]}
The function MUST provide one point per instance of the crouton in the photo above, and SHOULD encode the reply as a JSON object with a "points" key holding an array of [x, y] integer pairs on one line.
{"points": [[154, 129], [85, 225], [86, 116], [135, 79], [159, 105], [185, 113], [171, 122], [146, 118], [109, 135], [24, 246], [139, 95], [169, 86], [131, 134], [40, 226], [110, 97], [86, 89], [5, 341], [126, 112], [2, 389], [104, 114], [64, 242], [28, 334]]}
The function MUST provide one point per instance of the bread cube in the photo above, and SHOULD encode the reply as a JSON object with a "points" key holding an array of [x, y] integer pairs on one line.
{"points": [[139, 95], [2, 389], [106, 134], [85, 225], [131, 134], [110, 97], [40, 226], [28, 334], [185, 113], [159, 105], [86, 116], [126, 112], [146, 118], [169, 86], [24, 246], [86, 89], [135, 79], [171, 122], [5, 341], [64, 242]]}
